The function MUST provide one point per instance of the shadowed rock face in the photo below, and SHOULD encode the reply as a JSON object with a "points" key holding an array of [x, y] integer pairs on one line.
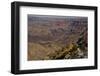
{"points": [[52, 33]]}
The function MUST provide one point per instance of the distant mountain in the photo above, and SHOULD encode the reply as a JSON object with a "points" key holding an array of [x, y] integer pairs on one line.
{"points": [[61, 29]]}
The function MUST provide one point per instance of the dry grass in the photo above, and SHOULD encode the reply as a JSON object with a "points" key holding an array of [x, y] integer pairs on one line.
{"points": [[37, 51]]}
